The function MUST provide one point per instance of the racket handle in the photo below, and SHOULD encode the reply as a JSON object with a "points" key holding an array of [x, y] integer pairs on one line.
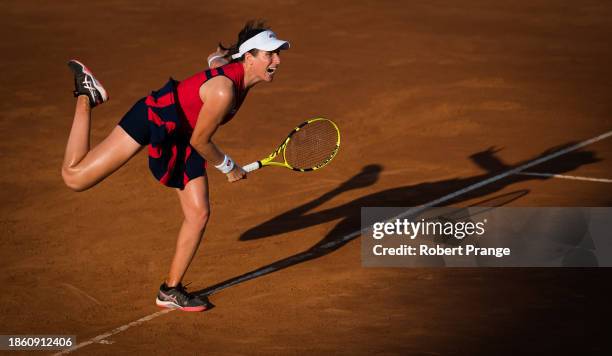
{"points": [[252, 166]]}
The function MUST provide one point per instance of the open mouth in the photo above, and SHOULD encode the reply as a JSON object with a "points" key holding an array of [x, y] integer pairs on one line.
{"points": [[271, 70]]}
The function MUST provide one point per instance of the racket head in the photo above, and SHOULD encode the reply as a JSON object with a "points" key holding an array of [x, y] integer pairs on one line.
{"points": [[311, 145]]}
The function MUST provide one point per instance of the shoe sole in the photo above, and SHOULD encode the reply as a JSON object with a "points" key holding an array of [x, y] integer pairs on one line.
{"points": [[171, 305], [96, 83]]}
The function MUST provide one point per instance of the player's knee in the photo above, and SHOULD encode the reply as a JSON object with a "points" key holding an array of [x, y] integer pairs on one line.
{"points": [[73, 180], [198, 216]]}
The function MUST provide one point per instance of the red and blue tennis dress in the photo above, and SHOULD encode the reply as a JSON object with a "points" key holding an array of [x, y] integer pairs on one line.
{"points": [[165, 121]]}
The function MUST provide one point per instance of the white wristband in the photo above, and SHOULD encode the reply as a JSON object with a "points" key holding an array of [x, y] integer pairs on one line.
{"points": [[211, 59], [226, 166]]}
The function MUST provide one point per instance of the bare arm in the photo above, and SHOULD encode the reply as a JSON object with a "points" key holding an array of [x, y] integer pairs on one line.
{"points": [[218, 58], [217, 94]]}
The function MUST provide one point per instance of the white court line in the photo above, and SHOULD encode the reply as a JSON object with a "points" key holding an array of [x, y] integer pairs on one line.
{"points": [[101, 337], [419, 209], [551, 175], [352, 235]]}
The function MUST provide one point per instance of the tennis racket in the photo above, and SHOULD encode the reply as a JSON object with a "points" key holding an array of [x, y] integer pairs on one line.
{"points": [[310, 146]]}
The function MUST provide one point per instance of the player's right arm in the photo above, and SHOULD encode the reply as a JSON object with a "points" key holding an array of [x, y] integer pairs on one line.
{"points": [[217, 94]]}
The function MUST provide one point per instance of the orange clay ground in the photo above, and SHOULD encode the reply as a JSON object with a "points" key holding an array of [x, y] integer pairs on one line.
{"points": [[417, 88]]}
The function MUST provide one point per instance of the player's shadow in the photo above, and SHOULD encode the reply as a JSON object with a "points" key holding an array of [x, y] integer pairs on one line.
{"points": [[412, 195]]}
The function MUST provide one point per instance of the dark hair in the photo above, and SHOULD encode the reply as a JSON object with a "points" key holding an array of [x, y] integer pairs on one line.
{"points": [[250, 29]]}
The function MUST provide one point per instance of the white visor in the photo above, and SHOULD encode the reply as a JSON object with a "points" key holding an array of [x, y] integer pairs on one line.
{"points": [[265, 41]]}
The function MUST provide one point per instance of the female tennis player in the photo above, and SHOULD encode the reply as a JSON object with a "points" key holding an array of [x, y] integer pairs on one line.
{"points": [[177, 124]]}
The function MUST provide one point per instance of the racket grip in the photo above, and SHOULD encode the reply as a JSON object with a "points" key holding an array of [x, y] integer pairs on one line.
{"points": [[252, 166]]}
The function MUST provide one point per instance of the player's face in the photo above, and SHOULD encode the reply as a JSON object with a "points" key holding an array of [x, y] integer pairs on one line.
{"points": [[266, 64]]}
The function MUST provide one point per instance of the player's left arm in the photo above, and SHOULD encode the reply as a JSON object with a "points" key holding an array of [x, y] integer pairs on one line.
{"points": [[218, 58]]}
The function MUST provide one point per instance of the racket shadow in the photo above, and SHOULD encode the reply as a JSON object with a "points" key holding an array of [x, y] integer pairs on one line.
{"points": [[412, 195]]}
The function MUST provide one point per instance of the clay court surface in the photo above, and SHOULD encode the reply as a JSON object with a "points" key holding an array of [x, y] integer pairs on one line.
{"points": [[421, 92]]}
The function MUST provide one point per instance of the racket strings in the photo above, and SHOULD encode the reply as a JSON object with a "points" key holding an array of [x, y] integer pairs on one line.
{"points": [[313, 145]]}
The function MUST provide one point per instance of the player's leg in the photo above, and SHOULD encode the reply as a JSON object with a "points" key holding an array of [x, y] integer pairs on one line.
{"points": [[196, 210], [82, 167]]}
